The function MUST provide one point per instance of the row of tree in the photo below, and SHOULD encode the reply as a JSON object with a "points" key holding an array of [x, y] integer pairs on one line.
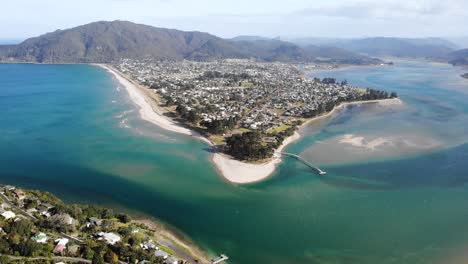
{"points": [[372, 94], [220, 126], [217, 75]]}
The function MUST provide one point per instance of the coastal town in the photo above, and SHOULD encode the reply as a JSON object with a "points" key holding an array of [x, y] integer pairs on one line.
{"points": [[36, 227], [246, 108]]}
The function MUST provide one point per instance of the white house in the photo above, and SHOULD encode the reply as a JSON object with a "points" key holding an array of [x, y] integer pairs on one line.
{"points": [[8, 215], [110, 238]]}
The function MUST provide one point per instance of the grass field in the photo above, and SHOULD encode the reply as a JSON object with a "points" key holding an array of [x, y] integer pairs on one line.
{"points": [[278, 129], [217, 139]]}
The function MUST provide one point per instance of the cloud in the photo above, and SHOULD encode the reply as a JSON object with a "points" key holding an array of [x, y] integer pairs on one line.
{"points": [[331, 18], [369, 10]]}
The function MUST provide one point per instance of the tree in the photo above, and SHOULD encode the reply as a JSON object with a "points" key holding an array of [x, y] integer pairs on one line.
{"points": [[4, 259], [193, 116], [107, 213], [88, 253], [169, 101], [111, 257], [27, 248], [124, 218], [248, 146], [97, 259]]}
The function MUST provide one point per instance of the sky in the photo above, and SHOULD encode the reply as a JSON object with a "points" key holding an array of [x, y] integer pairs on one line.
{"points": [[21, 19]]}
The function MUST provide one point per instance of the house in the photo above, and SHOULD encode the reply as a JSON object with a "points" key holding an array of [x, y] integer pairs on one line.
{"points": [[44, 209], [110, 238], [161, 253], [40, 238], [148, 245], [171, 260], [63, 219], [61, 244], [9, 188], [8, 215], [94, 221], [19, 194]]}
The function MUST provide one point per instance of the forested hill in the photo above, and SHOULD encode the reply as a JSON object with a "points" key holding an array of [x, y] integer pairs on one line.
{"points": [[387, 46], [110, 41], [459, 57]]}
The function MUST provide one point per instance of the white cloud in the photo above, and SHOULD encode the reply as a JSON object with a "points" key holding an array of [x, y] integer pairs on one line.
{"points": [[25, 18], [369, 10]]}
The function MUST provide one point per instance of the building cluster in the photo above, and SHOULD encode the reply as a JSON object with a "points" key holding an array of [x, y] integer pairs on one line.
{"points": [[18, 205], [260, 95]]}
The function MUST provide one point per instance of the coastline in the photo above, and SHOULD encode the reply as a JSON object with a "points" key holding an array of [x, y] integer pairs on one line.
{"points": [[148, 109], [152, 229], [243, 173], [232, 170], [185, 248]]}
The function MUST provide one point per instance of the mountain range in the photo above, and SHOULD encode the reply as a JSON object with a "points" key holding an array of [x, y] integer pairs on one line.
{"points": [[459, 57], [110, 41], [387, 47], [105, 42]]}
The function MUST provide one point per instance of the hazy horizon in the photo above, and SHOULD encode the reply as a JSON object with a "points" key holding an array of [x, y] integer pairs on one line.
{"points": [[291, 19], [460, 41]]}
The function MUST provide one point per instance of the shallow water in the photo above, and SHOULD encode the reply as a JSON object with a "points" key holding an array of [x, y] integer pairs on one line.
{"points": [[68, 129]]}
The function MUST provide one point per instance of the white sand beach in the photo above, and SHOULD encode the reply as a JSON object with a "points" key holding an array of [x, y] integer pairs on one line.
{"points": [[241, 172], [232, 170], [148, 108]]}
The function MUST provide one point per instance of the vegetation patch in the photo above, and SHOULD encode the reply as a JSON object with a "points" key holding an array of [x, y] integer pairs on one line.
{"points": [[36, 224]]}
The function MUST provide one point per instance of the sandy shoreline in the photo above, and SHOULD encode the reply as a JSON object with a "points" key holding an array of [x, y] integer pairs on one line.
{"points": [[147, 108], [232, 170], [242, 172], [190, 250]]}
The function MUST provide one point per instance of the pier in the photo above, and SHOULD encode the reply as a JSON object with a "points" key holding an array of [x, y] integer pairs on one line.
{"points": [[320, 172], [220, 259]]}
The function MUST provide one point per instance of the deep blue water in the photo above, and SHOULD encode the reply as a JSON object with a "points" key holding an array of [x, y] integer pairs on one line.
{"points": [[70, 130]]}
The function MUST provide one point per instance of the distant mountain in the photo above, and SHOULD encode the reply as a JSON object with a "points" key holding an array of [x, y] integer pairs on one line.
{"points": [[459, 57], [461, 42], [108, 41], [273, 50], [9, 41], [217, 49], [250, 38], [104, 42], [316, 41], [387, 47], [398, 47], [340, 56], [5, 50]]}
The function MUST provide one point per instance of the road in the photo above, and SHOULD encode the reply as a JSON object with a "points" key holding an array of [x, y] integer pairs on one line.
{"points": [[23, 212]]}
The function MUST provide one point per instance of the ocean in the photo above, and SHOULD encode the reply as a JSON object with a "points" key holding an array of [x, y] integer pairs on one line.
{"points": [[395, 191]]}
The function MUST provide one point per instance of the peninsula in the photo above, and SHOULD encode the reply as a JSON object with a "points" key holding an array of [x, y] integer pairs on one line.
{"points": [[246, 98], [465, 75], [247, 111]]}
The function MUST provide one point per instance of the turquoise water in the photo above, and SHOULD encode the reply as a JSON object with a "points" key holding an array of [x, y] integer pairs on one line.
{"points": [[71, 130]]}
